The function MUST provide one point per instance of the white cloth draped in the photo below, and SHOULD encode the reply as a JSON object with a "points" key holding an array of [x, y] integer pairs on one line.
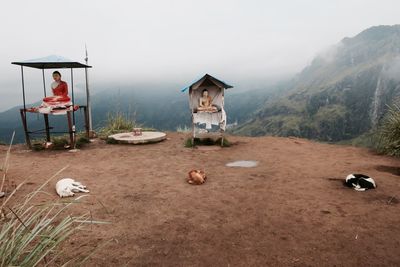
{"points": [[59, 108], [210, 118]]}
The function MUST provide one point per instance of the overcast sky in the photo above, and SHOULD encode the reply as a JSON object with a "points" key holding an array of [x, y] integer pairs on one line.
{"points": [[245, 42]]}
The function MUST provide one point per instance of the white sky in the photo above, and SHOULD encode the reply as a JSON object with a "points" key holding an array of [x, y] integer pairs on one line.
{"points": [[244, 42]]}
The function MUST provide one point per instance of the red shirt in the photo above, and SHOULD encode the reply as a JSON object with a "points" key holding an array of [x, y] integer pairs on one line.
{"points": [[61, 89]]}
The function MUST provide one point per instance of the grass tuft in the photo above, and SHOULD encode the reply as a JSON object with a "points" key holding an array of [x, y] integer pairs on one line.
{"points": [[117, 122]]}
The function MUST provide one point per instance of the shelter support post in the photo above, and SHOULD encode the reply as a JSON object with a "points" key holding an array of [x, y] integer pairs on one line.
{"points": [[46, 122], [23, 117], [44, 83], [223, 104], [193, 125], [23, 112], [73, 96], [193, 132], [88, 103], [87, 121], [70, 129], [73, 106]]}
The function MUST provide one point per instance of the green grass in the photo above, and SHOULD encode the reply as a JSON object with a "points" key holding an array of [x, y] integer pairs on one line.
{"points": [[367, 140], [61, 142], [81, 141], [183, 129]]}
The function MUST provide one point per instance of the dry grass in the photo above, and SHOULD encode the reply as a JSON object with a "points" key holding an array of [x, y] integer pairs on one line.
{"points": [[117, 122], [31, 234]]}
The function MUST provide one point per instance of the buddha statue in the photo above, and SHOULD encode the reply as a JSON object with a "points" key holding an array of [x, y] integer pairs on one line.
{"points": [[205, 103], [60, 91]]}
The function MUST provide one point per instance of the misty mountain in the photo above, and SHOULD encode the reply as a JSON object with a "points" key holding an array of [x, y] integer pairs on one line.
{"points": [[341, 95]]}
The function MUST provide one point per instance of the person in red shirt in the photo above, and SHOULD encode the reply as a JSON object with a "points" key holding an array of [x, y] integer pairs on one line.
{"points": [[60, 90]]}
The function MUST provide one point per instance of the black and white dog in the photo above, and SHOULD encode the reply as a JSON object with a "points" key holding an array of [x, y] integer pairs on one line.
{"points": [[360, 182]]}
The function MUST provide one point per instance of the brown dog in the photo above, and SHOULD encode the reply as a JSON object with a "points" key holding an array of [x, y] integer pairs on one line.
{"points": [[196, 177]]}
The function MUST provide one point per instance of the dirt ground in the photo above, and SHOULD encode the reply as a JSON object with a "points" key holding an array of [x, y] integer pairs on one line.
{"points": [[290, 210]]}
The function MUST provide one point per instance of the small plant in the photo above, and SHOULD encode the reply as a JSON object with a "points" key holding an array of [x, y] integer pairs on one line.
{"points": [[225, 142], [60, 142], [82, 141], [37, 146], [183, 129], [112, 141], [388, 140]]}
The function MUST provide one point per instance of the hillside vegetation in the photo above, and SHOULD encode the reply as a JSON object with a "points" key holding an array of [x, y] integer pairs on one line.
{"points": [[341, 95]]}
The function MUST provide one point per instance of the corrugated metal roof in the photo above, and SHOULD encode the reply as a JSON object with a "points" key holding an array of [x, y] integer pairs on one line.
{"points": [[51, 62], [207, 78]]}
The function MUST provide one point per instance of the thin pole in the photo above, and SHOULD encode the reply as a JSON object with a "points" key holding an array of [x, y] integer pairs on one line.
{"points": [[71, 129], [72, 135], [23, 87], [193, 125], [223, 110], [88, 104], [46, 123], [23, 112], [44, 83], [88, 100]]}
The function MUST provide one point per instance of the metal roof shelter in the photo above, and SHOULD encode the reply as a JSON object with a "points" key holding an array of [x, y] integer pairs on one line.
{"points": [[216, 89], [55, 62], [207, 80], [51, 62]]}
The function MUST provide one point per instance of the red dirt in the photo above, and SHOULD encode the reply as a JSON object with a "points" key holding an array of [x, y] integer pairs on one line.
{"points": [[290, 210]]}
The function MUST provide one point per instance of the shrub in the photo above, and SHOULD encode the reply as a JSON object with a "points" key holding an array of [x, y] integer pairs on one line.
{"points": [[388, 141]]}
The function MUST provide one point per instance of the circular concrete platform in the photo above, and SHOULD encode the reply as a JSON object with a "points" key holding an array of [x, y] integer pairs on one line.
{"points": [[146, 137]]}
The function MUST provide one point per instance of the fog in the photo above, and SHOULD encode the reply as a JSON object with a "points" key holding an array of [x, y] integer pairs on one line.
{"points": [[249, 43]]}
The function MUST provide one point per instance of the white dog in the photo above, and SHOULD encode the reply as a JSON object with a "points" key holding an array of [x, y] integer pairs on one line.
{"points": [[67, 187]]}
